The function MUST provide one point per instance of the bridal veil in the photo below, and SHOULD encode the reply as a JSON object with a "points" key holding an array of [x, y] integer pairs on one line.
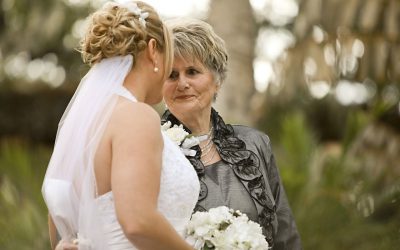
{"points": [[69, 186]]}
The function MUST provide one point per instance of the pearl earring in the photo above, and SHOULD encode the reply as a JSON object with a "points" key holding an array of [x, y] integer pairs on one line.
{"points": [[155, 69], [215, 97]]}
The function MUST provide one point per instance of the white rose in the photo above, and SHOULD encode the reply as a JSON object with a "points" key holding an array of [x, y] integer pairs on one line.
{"points": [[190, 142], [220, 214], [176, 134], [245, 234], [238, 233], [166, 126]]}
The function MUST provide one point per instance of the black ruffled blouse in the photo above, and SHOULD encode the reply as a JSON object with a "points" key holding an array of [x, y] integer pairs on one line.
{"points": [[257, 190]]}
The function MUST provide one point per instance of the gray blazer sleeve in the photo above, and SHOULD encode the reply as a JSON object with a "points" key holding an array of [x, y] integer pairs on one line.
{"points": [[287, 236]]}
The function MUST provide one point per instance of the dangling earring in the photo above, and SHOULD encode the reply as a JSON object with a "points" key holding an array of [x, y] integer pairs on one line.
{"points": [[155, 69], [215, 97]]}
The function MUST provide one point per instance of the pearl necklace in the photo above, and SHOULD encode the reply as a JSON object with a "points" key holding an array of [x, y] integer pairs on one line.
{"points": [[206, 149]]}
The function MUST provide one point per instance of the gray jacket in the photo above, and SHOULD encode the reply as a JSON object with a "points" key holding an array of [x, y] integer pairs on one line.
{"points": [[284, 233]]}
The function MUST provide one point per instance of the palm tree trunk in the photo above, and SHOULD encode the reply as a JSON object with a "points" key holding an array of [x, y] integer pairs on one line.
{"points": [[234, 22]]}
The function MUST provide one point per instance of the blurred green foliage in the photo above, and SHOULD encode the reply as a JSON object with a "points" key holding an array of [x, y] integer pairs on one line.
{"points": [[23, 213], [337, 205]]}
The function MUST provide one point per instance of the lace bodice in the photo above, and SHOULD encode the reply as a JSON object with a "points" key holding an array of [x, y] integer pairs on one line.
{"points": [[179, 186], [178, 195]]}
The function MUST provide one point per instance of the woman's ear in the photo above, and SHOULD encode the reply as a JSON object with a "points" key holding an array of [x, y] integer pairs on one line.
{"points": [[152, 50], [153, 54]]}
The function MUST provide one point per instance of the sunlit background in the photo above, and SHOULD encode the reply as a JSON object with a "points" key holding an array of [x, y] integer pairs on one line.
{"points": [[320, 77]]}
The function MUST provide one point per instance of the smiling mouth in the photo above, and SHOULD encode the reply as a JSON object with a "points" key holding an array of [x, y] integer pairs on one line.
{"points": [[184, 97]]}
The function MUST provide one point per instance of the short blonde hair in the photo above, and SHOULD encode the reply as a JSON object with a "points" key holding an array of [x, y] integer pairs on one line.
{"points": [[113, 30], [195, 39]]}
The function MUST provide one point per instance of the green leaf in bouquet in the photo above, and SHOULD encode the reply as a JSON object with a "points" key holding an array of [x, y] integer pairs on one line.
{"points": [[224, 225]]}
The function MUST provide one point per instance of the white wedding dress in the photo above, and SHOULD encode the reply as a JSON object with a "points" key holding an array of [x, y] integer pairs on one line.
{"points": [[179, 189], [69, 186]]}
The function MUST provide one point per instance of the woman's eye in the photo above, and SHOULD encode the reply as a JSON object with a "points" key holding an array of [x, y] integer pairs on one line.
{"points": [[192, 71], [174, 75]]}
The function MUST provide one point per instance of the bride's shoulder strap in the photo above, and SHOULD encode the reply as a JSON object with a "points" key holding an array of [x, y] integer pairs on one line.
{"points": [[122, 91]]}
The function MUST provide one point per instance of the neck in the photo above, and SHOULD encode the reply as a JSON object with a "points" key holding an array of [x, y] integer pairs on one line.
{"points": [[199, 123], [137, 81]]}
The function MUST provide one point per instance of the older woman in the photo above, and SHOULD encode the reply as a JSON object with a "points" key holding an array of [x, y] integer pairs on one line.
{"points": [[235, 164]]}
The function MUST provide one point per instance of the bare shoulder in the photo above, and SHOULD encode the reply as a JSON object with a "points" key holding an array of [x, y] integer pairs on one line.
{"points": [[129, 118]]}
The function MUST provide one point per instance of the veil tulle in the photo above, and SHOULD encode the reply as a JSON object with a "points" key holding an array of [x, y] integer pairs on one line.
{"points": [[69, 186]]}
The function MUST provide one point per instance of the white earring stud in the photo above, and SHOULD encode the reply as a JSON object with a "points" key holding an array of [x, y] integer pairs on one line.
{"points": [[155, 69]]}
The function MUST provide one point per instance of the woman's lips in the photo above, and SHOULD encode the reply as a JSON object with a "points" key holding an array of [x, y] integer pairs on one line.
{"points": [[184, 97]]}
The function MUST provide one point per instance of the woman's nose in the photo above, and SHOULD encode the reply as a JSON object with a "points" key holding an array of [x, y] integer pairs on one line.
{"points": [[182, 84]]}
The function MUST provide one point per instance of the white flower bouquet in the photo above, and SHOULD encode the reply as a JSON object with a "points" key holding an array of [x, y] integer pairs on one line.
{"points": [[181, 137], [222, 228]]}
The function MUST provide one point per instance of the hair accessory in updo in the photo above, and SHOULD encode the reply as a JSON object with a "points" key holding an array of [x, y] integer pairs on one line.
{"points": [[132, 7]]}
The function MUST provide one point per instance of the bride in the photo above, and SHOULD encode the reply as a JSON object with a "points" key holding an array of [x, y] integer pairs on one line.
{"points": [[115, 181]]}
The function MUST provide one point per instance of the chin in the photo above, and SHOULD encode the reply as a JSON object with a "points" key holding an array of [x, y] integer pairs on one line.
{"points": [[182, 108]]}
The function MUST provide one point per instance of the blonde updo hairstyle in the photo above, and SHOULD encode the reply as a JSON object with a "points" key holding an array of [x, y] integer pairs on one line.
{"points": [[196, 40], [113, 30]]}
